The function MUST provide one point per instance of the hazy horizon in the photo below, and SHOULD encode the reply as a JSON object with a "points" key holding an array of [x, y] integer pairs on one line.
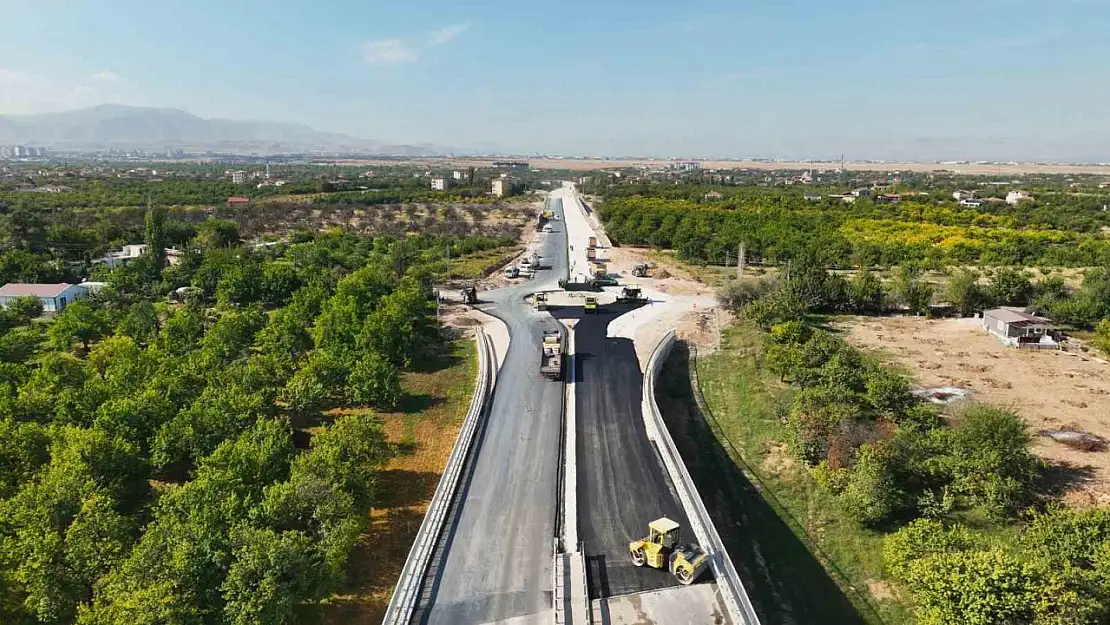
{"points": [[994, 80]]}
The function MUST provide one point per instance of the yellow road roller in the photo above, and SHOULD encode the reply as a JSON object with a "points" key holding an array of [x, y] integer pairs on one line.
{"points": [[661, 549]]}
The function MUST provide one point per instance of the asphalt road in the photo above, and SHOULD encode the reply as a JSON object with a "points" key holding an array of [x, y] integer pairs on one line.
{"points": [[622, 485], [496, 558]]}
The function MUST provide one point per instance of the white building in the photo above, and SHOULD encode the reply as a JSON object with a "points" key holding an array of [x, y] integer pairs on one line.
{"points": [[963, 195], [238, 177], [457, 175], [440, 184], [126, 254], [1013, 198], [54, 297]]}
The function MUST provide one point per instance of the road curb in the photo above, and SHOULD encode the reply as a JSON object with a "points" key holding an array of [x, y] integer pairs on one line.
{"points": [[405, 595], [731, 590]]}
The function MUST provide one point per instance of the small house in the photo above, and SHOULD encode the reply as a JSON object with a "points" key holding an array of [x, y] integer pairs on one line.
{"points": [[1017, 328], [54, 297], [238, 200]]}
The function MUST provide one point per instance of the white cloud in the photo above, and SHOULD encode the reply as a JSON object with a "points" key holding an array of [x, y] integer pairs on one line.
{"points": [[388, 51], [107, 76], [448, 33], [398, 50]]}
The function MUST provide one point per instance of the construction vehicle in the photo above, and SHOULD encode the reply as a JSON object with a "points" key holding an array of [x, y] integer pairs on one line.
{"points": [[640, 270], [539, 301], [551, 357], [630, 295], [592, 242], [591, 253], [511, 271], [470, 294], [661, 549], [590, 307], [597, 270]]}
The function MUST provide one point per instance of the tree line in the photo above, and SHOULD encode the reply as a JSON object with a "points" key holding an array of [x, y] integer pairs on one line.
{"points": [[776, 234]]}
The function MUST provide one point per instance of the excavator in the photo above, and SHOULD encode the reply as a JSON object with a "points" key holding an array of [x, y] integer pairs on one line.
{"points": [[661, 549]]}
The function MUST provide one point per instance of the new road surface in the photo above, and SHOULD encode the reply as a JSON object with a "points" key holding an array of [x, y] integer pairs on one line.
{"points": [[621, 483], [497, 560]]}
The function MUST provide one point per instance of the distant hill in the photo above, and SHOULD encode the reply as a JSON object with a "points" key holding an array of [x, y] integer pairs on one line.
{"points": [[113, 126]]}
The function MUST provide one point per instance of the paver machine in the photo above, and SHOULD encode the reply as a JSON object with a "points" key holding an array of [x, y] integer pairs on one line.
{"points": [[661, 549]]}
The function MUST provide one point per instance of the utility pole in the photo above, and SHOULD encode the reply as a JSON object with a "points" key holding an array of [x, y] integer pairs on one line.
{"points": [[728, 254], [740, 261]]}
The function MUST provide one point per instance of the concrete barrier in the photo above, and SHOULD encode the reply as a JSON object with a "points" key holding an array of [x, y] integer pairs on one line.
{"points": [[403, 602], [732, 592]]}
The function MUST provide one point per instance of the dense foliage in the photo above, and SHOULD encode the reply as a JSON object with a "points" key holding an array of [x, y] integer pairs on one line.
{"points": [[776, 232], [154, 466]]}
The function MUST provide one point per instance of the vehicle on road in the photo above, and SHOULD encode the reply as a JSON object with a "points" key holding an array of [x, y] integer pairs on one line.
{"points": [[631, 295], [539, 301], [551, 358], [590, 307], [640, 270], [592, 242], [591, 253], [547, 228], [661, 549], [511, 271]]}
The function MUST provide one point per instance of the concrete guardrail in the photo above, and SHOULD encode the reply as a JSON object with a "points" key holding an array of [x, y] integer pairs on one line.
{"points": [[731, 589], [403, 602]]}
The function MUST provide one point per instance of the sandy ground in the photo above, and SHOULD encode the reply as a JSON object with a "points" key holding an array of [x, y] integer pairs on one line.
{"points": [[1051, 390], [586, 164]]}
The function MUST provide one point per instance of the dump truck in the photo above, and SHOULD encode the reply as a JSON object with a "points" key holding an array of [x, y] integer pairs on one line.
{"points": [[661, 549], [539, 301], [590, 307], [591, 253], [592, 242], [640, 270], [551, 357], [597, 269]]}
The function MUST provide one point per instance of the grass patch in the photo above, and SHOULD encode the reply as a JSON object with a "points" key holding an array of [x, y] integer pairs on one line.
{"points": [[481, 264], [424, 430], [747, 403]]}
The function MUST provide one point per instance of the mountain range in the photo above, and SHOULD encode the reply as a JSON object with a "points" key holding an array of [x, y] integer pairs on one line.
{"points": [[114, 126]]}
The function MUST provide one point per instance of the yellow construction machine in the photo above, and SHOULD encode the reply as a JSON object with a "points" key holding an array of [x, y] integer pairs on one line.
{"points": [[661, 549], [590, 306]]}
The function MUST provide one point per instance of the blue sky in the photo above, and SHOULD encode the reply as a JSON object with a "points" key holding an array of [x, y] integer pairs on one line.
{"points": [[943, 79]]}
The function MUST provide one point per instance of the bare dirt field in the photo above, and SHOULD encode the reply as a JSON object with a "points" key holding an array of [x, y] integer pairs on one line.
{"points": [[587, 164], [1051, 390]]}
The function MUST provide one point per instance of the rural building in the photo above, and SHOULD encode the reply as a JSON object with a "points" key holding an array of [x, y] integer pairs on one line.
{"points": [[970, 203], [1015, 197], [1017, 328], [237, 200], [503, 187], [713, 195], [962, 195], [54, 297], [238, 177], [440, 184], [125, 255]]}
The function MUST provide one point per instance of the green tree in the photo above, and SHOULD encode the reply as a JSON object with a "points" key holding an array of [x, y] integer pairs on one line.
{"points": [[965, 293], [374, 381], [1102, 337], [1011, 287], [865, 294], [26, 309], [155, 238], [140, 323], [82, 322]]}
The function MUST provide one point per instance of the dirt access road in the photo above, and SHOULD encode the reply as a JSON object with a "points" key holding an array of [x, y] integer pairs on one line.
{"points": [[1051, 390]]}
